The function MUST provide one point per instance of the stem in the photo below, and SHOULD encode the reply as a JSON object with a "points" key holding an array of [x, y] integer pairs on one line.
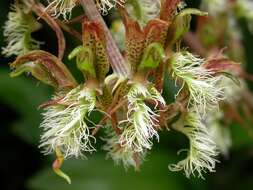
{"points": [[117, 61], [39, 10], [78, 19]]}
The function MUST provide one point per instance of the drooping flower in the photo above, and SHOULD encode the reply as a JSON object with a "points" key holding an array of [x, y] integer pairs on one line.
{"points": [[18, 29], [139, 127], [65, 126], [202, 149], [204, 89]]}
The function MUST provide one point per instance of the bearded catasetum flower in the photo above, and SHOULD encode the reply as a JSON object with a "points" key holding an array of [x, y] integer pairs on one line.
{"points": [[61, 7], [18, 29], [202, 151], [139, 127], [204, 89], [65, 126]]}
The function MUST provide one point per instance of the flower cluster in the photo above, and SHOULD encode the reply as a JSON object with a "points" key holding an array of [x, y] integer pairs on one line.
{"points": [[133, 106]]}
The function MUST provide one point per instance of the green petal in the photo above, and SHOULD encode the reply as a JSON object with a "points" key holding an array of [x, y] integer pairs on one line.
{"points": [[152, 57], [84, 60], [181, 24]]}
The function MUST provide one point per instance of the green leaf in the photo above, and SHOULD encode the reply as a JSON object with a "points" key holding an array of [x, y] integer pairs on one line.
{"points": [[240, 136]]}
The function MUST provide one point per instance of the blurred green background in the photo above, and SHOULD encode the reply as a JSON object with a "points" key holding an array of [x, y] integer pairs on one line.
{"points": [[23, 167]]}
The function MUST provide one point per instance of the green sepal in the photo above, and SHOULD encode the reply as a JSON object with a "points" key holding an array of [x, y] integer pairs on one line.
{"points": [[191, 11], [84, 60], [181, 24], [152, 57]]}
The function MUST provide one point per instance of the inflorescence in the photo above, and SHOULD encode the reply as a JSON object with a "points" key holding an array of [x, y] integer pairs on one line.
{"points": [[133, 107]]}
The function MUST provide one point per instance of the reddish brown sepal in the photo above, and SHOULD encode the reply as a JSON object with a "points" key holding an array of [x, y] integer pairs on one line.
{"points": [[46, 68]]}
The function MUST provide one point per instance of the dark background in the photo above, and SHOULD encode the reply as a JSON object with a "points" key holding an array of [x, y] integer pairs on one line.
{"points": [[23, 167]]}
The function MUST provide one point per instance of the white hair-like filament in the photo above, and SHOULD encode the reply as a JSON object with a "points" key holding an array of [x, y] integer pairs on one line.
{"points": [[65, 126], [121, 154], [202, 149], [61, 7], [105, 5], [18, 29], [204, 89], [139, 127]]}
